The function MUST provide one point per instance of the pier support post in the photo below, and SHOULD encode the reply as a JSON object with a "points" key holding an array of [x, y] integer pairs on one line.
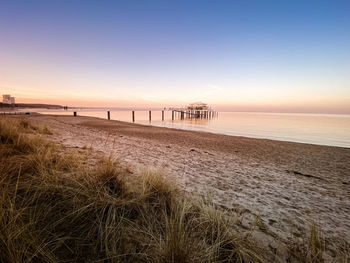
{"points": [[133, 116], [108, 115], [150, 116], [162, 115], [172, 115]]}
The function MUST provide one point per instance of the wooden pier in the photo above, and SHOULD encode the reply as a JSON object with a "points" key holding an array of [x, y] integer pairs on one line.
{"points": [[207, 114], [175, 114]]}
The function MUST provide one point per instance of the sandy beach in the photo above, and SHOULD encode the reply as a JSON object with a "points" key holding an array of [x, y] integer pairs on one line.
{"points": [[287, 184]]}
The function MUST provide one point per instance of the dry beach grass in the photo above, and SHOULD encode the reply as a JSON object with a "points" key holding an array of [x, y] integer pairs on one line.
{"points": [[61, 204], [55, 208]]}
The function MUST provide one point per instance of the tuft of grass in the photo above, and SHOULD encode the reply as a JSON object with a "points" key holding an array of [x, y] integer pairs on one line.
{"points": [[27, 126], [309, 249], [260, 224], [45, 130]]}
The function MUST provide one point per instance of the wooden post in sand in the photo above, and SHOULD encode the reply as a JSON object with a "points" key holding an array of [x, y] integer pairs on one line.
{"points": [[109, 115], [150, 116], [133, 116], [162, 115], [172, 115], [75, 114]]}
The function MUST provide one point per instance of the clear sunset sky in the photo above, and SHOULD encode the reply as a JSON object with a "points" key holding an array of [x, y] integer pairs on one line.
{"points": [[288, 56]]}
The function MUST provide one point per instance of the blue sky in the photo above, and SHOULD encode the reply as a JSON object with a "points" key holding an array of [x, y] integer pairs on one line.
{"points": [[235, 55]]}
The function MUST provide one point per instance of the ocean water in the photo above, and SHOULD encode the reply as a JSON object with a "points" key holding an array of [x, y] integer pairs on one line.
{"points": [[322, 129]]}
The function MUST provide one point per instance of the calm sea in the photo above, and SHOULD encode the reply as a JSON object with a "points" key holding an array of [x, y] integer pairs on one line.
{"points": [[306, 128]]}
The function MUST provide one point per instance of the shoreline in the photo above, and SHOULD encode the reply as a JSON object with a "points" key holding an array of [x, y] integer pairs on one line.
{"points": [[249, 136], [195, 131], [285, 183]]}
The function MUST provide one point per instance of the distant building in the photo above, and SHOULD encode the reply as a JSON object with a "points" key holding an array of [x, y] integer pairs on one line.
{"points": [[7, 99], [198, 106]]}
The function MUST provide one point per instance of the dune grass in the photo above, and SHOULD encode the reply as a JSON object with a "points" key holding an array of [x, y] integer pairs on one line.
{"points": [[53, 208], [56, 208]]}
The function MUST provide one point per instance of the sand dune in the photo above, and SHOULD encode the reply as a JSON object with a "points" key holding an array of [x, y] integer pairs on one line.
{"points": [[287, 184]]}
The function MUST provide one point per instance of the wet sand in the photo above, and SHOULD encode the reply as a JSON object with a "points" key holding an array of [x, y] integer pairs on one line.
{"points": [[287, 184]]}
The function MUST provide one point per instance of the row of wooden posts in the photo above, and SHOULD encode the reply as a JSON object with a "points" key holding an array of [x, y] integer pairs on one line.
{"points": [[179, 113]]}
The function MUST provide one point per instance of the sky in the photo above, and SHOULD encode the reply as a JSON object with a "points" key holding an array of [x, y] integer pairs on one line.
{"points": [[280, 56]]}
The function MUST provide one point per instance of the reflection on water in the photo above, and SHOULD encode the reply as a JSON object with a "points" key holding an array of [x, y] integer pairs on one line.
{"points": [[308, 128], [196, 121]]}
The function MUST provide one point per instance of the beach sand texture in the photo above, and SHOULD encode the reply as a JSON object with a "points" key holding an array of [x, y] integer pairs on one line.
{"points": [[287, 184]]}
